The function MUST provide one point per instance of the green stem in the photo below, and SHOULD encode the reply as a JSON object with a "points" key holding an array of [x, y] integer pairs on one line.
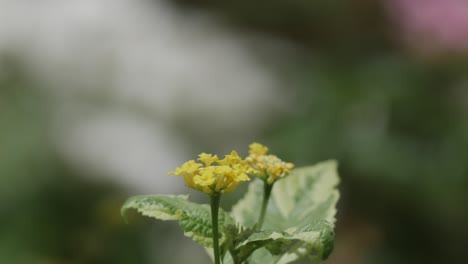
{"points": [[266, 197], [215, 199]]}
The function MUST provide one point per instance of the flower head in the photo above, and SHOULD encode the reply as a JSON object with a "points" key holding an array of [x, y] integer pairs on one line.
{"points": [[269, 168], [214, 175]]}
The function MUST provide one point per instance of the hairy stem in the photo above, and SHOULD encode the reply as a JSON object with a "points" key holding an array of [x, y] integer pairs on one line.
{"points": [[266, 197], [215, 199]]}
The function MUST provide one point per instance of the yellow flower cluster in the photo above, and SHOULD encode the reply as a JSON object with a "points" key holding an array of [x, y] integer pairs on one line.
{"points": [[213, 175], [267, 167]]}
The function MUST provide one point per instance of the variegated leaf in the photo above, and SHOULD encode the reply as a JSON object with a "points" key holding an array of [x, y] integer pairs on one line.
{"points": [[194, 219]]}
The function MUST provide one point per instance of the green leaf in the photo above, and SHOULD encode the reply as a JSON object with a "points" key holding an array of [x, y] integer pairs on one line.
{"points": [[313, 240], [194, 219], [300, 217]]}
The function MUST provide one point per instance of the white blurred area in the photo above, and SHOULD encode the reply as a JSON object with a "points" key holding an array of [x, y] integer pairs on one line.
{"points": [[126, 73]]}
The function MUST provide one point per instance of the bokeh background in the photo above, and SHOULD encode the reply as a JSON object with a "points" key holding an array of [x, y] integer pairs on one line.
{"points": [[100, 98]]}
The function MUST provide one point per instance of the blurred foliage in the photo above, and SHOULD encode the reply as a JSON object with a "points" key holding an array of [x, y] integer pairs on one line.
{"points": [[48, 213], [22, 134], [399, 129], [318, 24]]}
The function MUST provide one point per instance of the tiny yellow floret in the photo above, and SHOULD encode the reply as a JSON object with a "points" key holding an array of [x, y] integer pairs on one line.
{"points": [[205, 179], [214, 175], [257, 149], [232, 158], [208, 159], [269, 168]]}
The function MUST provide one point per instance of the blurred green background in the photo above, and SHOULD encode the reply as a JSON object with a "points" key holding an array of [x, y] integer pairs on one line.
{"points": [[381, 86]]}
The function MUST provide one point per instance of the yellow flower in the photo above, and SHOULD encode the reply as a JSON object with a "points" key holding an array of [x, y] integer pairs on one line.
{"points": [[232, 158], [208, 159], [205, 179], [269, 168], [187, 170], [215, 176], [257, 149]]}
